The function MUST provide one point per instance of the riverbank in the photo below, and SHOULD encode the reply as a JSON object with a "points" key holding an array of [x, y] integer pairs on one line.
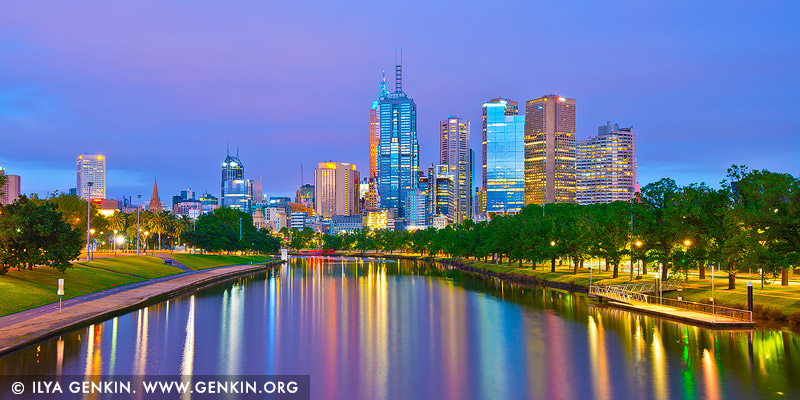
{"points": [[20, 331], [28, 289], [774, 305]]}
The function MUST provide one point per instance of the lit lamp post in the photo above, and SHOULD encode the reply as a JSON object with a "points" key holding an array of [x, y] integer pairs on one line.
{"points": [[688, 244], [114, 242], [91, 232], [88, 217], [138, 206], [638, 246], [145, 241]]}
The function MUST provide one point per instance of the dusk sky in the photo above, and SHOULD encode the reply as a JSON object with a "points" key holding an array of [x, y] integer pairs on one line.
{"points": [[159, 88]]}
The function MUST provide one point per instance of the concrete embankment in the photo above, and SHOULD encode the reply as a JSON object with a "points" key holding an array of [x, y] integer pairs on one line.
{"points": [[36, 328]]}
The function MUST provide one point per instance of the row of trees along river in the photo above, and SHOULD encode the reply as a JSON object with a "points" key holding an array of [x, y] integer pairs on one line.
{"points": [[752, 220]]}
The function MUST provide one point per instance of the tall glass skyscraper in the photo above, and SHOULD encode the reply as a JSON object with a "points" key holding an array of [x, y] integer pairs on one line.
{"points": [[503, 157], [91, 168], [236, 192], [398, 149], [454, 152]]}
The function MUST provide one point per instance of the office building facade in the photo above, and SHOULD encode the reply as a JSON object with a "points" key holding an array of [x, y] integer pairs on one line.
{"points": [[503, 158], [236, 192], [455, 153], [606, 166], [91, 168], [336, 189], [11, 189], [398, 149], [550, 150]]}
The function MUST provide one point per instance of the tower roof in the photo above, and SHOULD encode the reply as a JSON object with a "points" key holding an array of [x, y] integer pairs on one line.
{"points": [[155, 201]]}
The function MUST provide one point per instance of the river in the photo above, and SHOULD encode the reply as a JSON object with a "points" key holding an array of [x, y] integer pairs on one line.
{"points": [[384, 329]]}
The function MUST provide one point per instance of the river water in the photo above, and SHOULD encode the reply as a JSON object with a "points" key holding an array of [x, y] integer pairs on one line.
{"points": [[373, 329]]}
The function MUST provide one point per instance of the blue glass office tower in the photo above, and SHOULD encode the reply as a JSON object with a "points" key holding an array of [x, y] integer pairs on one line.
{"points": [[398, 149], [236, 192], [503, 157]]}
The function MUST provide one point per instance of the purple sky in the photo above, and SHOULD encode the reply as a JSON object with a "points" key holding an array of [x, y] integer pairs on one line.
{"points": [[161, 87]]}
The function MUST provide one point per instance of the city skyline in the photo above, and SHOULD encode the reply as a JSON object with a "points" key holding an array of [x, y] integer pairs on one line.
{"points": [[674, 83]]}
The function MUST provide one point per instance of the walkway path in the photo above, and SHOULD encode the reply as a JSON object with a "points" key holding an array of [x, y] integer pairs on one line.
{"points": [[23, 328], [691, 317]]}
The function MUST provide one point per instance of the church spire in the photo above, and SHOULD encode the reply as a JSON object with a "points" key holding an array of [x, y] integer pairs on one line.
{"points": [[155, 202]]}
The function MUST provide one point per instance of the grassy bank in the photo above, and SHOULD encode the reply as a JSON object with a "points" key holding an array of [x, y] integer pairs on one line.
{"points": [[27, 289], [202, 261]]}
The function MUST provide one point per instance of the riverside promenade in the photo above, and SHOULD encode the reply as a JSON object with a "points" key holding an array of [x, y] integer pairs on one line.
{"points": [[21, 329]]}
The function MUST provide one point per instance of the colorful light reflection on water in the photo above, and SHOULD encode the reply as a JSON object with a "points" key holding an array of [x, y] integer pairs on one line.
{"points": [[365, 329]]}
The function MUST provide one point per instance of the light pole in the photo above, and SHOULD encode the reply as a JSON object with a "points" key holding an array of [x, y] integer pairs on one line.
{"points": [[240, 229], [91, 231], [639, 245], [138, 206], [88, 217], [631, 239], [145, 241], [114, 242]]}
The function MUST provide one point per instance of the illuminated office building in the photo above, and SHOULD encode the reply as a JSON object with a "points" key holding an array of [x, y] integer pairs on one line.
{"points": [[606, 166], [550, 150], [455, 153], [11, 188], [91, 168], [236, 192], [503, 158], [441, 195], [336, 189], [398, 149]]}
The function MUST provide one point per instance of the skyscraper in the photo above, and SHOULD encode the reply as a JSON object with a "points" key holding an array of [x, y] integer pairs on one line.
{"points": [[91, 168], [606, 166], [550, 150], [11, 188], [398, 149], [371, 197], [235, 191], [503, 158], [336, 189], [454, 152], [441, 199]]}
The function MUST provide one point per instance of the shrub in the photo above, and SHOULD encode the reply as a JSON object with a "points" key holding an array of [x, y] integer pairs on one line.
{"points": [[773, 313], [794, 320]]}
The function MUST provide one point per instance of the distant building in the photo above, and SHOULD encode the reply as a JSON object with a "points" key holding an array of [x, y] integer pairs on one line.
{"points": [[416, 214], [275, 218], [91, 168], [349, 224], [336, 189], [376, 220], [441, 199], [73, 191], [11, 188], [236, 192], [298, 220], [606, 166], [305, 195], [455, 153], [503, 158], [398, 148], [550, 151], [440, 222], [155, 201]]}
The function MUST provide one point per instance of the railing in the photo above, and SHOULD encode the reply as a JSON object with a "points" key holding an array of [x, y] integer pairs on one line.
{"points": [[648, 287], [621, 294], [732, 313]]}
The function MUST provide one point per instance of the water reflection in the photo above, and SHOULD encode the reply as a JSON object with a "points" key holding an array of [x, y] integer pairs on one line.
{"points": [[366, 329]]}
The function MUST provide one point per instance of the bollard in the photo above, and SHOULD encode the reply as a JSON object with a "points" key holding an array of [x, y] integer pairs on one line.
{"points": [[750, 296]]}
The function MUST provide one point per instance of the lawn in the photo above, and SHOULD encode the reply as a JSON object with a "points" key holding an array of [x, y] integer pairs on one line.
{"points": [[202, 261], [147, 267], [23, 290]]}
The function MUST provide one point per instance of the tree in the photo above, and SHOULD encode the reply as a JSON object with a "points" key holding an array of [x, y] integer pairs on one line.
{"points": [[181, 226], [661, 219], [159, 223], [611, 233], [33, 233]]}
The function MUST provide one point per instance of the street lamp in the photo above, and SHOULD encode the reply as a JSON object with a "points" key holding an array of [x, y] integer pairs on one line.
{"points": [[91, 232], [639, 245], [88, 217], [120, 240], [145, 241]]}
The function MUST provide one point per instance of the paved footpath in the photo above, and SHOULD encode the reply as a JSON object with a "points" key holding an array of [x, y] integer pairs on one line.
{"points": [[20, 329]]}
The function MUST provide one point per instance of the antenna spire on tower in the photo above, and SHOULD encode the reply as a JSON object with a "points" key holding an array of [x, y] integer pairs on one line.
{"points": [[398, 71]]}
